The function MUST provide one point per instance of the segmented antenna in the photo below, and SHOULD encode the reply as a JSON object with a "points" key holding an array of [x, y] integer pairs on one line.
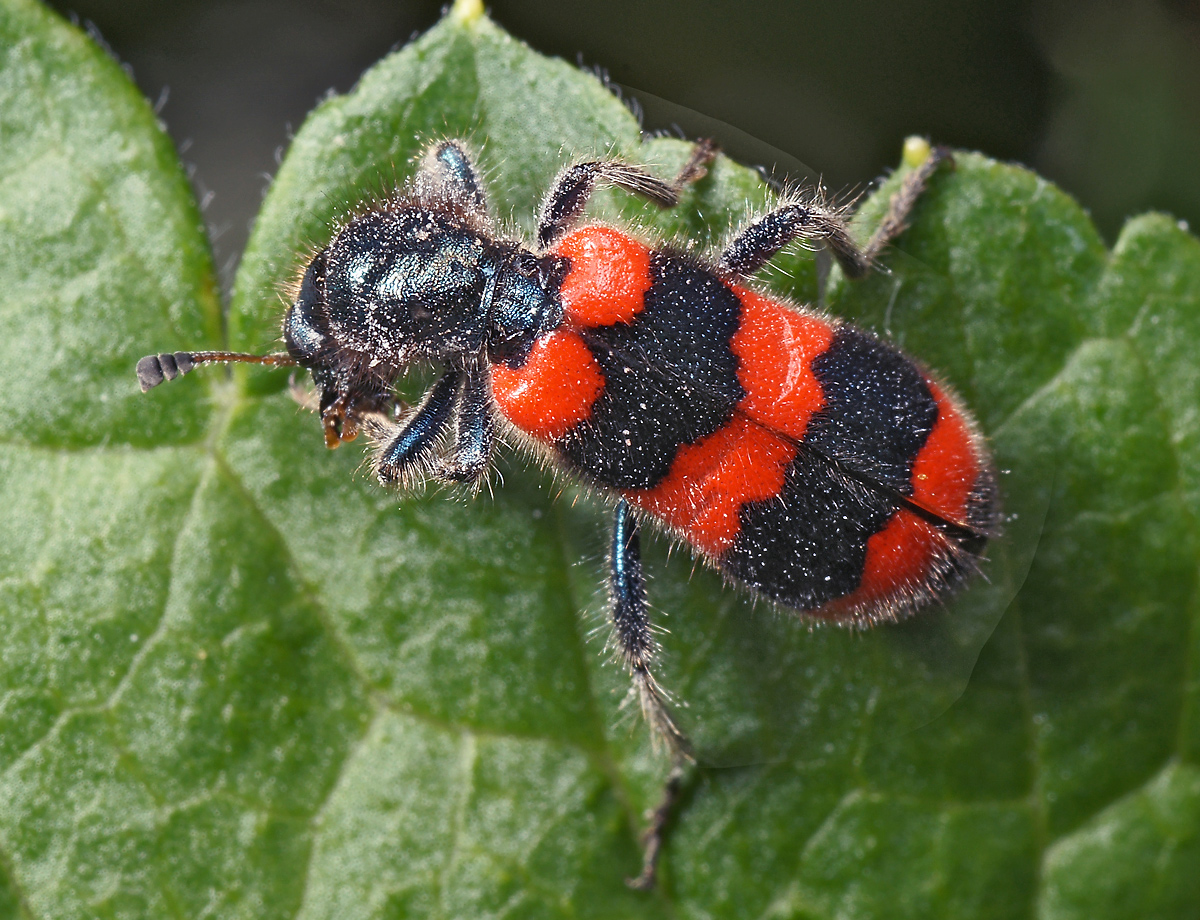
{"points": [[154, 369]]}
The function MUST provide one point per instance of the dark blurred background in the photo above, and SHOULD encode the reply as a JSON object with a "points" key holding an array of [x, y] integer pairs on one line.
{"points": [[1102, 96]]}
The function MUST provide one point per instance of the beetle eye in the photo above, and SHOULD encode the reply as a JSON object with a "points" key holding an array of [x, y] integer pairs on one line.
{"points": [[304, 327]]}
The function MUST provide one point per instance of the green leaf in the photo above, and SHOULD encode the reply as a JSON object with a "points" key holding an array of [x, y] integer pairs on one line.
{"points": [[237, 679]]}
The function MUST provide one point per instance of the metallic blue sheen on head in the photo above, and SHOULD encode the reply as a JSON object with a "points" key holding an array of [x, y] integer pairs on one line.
{"points": [[302, 332]]}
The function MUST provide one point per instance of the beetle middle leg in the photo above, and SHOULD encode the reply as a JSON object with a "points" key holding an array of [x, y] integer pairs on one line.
{"points": [[636, 647], [569, 195], [632, 634]]}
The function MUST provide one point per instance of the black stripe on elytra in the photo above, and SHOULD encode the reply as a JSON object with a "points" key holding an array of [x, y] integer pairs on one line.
{"points": [[853, 469], [878, 410], [808, 545], [670, 378]]}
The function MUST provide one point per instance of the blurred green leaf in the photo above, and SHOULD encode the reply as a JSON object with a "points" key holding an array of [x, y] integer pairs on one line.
{"points": [[237, 679]]}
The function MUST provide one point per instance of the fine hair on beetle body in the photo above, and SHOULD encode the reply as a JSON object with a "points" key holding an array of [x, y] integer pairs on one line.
{"points": [[811, 463]]}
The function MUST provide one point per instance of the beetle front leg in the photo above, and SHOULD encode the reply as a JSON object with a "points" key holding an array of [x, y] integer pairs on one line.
{"points": [[446, 174], [414, 442], [475, 429]]}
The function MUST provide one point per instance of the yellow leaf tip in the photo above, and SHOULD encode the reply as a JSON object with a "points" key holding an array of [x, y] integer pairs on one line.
{"points": [[916, 151], [467, 12]]}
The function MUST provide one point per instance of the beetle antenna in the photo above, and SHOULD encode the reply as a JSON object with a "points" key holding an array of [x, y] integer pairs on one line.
{"points": [[154, 369]]}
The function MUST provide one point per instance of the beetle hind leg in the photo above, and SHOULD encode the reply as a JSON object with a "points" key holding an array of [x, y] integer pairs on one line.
{"points": [[755, 245]]}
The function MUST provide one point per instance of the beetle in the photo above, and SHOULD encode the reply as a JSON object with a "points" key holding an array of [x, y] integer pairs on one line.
{"points": [[812, 463]]}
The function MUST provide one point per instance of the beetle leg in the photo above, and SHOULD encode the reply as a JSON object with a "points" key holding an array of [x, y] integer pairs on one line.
{"points": [[574, 186], [446, 174], [475, 429], [636, 647], [761, 240], [632, 635], [418, 436]]}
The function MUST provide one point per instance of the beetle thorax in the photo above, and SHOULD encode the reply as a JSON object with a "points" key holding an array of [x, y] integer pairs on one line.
{"points": [[406, 284], [416, 283]]}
